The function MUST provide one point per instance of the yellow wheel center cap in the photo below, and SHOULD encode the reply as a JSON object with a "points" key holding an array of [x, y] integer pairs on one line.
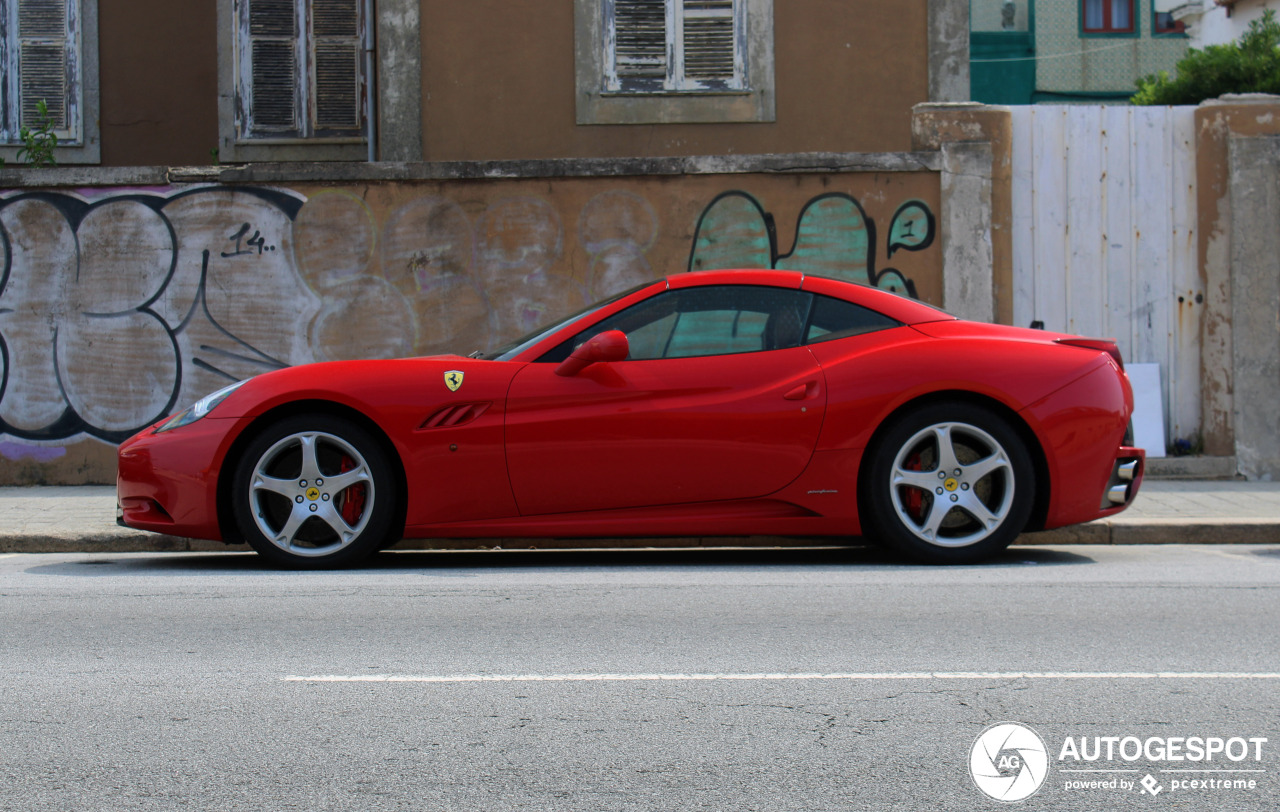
{"points": [[313, 494], [951, 484]]}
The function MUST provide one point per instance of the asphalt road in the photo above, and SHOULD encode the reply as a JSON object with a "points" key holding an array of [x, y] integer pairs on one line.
{"points": [[724, 680]]}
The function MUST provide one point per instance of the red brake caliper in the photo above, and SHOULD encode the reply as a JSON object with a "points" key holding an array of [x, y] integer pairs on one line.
{"points": [[351, 500], [913, 500]]}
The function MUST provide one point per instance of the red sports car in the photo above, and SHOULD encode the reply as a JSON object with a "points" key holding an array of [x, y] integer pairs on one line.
{"points": [[720, 403]]}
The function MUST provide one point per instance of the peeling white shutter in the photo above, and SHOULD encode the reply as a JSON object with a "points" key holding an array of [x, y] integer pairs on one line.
{"points": [[335, 31], [708, 44], [42, 57], [640, 43], [273, 66], [675, 45]]}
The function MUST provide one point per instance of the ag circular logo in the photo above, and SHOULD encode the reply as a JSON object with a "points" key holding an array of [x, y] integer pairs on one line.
{"points": [[1009, 761]]}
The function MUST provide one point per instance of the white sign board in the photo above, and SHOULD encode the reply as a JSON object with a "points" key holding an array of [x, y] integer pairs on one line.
{"points": [[1148, 408]]}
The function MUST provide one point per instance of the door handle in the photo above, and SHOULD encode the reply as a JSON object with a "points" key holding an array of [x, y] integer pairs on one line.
{"points": [[802, 391]]}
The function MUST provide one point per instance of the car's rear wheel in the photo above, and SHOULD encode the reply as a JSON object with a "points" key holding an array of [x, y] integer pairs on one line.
{"points": [[949, 483], [314, 491]]}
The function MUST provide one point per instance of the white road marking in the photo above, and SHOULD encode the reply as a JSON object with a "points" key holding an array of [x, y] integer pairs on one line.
{"points": [[1222, 554], [867, 677]]}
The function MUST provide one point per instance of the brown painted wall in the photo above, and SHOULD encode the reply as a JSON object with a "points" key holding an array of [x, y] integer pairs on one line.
{"points": [[499, 80], [158, 62]]}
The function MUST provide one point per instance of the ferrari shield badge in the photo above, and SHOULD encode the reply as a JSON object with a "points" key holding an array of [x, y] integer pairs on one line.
{"points": [[453, 379]]}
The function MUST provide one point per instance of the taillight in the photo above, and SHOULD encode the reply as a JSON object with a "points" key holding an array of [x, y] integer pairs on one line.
{"points": [[1100, 344]]}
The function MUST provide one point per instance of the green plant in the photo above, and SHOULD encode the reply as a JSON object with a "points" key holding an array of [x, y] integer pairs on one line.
{"points": [[1251, 65], [39, 144]]}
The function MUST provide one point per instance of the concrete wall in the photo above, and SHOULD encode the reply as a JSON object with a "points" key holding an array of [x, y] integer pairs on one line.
{"points": [[124, 302], [1222, 187]]}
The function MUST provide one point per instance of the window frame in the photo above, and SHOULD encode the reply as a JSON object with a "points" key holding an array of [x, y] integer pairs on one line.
{"points": [[1179, 29], [78, 142], [397, 129], [602, 99], [1108, 29], [305, 129]]}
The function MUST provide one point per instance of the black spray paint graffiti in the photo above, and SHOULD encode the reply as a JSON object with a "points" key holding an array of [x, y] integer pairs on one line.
{"points": [[111, 312], [834, 237]]}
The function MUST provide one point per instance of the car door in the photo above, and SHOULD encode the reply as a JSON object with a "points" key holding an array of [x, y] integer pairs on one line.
{"points": [[717, 401]]}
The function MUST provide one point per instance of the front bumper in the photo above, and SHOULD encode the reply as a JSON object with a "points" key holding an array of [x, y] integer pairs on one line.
{"points": [[168, 483]]}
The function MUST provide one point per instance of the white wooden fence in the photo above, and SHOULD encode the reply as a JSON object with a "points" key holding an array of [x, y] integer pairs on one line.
{"points": [[1104, 239]]}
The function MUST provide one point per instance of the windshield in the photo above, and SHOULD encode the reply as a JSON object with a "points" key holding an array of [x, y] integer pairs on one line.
{"points": [[509, 351]]}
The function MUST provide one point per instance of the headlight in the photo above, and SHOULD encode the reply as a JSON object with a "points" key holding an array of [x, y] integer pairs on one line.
{"points": [[200, 408]]}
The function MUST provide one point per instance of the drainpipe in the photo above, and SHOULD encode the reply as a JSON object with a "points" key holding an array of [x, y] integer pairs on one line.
{"points": [[371, 84]]}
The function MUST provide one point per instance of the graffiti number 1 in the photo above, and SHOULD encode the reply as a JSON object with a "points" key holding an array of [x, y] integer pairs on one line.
{"points": [[255, 241]]}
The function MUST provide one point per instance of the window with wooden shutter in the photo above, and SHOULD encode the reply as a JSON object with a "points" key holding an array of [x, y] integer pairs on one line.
{"points": [[674, 46], [301, 69], [673, 61], [39, 52]]}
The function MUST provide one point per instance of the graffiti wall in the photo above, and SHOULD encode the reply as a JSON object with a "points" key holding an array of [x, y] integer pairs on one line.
{"points": [[120, 306]]}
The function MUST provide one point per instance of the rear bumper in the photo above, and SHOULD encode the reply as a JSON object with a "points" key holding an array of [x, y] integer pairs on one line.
{"points": [[1093, 472]]}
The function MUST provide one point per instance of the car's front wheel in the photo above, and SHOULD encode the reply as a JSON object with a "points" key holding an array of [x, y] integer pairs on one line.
{"points": [[314, 491], [949, 483]]}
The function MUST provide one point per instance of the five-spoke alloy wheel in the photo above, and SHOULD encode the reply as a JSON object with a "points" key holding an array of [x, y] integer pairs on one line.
{"points": [[313, 491], [949, 483]]}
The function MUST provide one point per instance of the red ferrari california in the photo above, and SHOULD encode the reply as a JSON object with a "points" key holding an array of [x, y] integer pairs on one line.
{"points": [[720, 403]]}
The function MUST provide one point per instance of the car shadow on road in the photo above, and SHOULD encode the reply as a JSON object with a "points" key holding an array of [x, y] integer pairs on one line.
{"points": [[445, 562]]}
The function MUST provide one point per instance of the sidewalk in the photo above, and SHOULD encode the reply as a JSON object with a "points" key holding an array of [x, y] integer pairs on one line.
{"points": [[82, 519]]}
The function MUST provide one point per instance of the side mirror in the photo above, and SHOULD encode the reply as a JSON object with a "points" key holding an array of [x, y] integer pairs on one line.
{"points": [[611, 345]]}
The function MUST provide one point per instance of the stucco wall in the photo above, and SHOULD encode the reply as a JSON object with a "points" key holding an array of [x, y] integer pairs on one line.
{"points": [[120, 304]]}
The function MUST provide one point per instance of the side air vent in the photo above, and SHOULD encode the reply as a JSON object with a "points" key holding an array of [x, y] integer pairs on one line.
{"points": [[455, 415]]}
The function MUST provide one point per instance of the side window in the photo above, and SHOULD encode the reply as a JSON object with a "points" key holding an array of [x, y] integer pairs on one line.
{"points": [[836, 318], [694, 322]]}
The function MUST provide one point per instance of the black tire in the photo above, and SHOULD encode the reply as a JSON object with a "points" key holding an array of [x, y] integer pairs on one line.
{"points": [[314, 491], [943, 508]]}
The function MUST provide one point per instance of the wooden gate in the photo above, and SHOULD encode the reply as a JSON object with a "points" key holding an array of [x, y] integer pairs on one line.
{"points": [[1104, 239]]}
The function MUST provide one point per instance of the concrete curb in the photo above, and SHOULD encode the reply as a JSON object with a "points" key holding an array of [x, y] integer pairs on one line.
{"points": [[1105, 532]]}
